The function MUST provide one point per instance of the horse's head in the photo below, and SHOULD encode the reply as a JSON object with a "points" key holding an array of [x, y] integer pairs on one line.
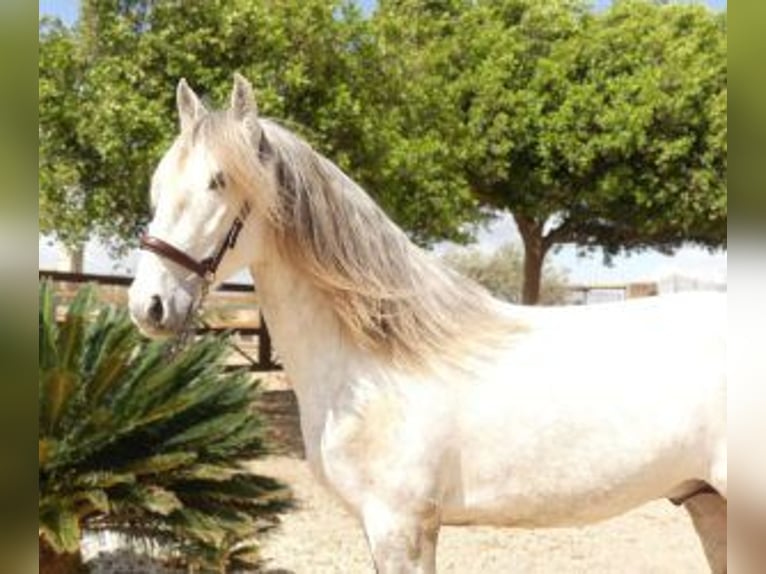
{"points": [[201, 206]]}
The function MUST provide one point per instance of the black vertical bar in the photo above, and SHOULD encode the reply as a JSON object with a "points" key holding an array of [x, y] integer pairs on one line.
{"points": [[264, 347]]}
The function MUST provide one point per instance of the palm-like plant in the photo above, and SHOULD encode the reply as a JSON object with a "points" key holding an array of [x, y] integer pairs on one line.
{"points": [[134, 440]]}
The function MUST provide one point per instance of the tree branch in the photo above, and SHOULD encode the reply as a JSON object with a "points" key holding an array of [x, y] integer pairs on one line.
{"points": [[561, 234]]}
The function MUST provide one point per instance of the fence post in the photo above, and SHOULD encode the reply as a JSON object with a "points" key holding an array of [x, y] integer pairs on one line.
{"points": [[264, 346], [636, 290]]}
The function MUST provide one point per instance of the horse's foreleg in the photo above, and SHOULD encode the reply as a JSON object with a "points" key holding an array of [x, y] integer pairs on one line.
{"points": [[708, 514], [401, 542]]}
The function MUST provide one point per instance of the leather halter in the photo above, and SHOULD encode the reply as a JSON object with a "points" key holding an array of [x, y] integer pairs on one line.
{"points": [[205, 268]]}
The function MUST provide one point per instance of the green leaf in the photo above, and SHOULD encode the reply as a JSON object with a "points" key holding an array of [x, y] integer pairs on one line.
{"points": [[102, 479], [160, 463], [44, 448], [47, 352], [58, 388], [61, 529], [209, 472], [157, 499], [97, 500]]}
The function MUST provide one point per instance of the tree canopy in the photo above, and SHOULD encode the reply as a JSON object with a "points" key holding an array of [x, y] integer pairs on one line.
{"points": [[107, 106], [604, 129], [600, 129]]}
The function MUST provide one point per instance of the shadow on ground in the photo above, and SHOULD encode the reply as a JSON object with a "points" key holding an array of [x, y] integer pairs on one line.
{"points": [[126, 561]]}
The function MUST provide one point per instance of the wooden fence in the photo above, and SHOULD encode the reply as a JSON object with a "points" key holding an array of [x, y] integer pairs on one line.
{"points": [[596, 293], [231, 308]]}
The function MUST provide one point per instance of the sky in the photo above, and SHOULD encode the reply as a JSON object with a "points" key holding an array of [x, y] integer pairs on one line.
{"points": [[67, 9], [64, 9], [647, 266]]}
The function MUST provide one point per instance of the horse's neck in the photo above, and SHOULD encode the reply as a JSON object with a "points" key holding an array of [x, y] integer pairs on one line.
{"points": [[307, 335]]}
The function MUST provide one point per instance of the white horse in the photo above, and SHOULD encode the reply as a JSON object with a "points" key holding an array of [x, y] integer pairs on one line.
{"points": [[423, 400]]}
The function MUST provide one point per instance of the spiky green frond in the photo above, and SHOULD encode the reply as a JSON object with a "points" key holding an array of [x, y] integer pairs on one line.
{"points": [[144, 439]]}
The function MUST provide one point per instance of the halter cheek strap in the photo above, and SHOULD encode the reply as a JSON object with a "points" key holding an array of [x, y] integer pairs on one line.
{"points": [[205, 268]]}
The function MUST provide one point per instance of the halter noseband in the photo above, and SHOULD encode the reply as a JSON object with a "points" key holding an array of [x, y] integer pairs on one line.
{"points": [[205, 268]]}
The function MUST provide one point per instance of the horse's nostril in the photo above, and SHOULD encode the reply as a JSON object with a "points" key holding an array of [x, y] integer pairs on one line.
{"points": [[155, 310]]}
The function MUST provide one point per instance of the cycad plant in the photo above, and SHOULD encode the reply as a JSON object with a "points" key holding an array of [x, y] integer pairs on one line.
{"points": [[141, 438]]}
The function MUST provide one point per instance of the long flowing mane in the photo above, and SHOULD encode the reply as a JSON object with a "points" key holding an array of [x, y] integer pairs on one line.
{"points": [[390, 295]]}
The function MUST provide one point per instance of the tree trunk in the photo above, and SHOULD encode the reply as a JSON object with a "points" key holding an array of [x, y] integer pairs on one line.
{"points": [[534, 254], [533, 270], [72, 259], [52, 563]]}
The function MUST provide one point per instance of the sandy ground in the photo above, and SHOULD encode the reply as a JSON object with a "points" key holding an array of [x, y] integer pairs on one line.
{"points": [[319, 537]]}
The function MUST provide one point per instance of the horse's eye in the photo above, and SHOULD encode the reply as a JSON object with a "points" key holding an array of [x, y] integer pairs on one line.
{"points": [[217, 181]]}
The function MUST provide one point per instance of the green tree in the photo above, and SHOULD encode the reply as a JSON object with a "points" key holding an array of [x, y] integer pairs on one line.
{"points": [[99, 132], [421, 137], [62, 205], [502, 273], [136, 441], [606, 130], [107, 106]]}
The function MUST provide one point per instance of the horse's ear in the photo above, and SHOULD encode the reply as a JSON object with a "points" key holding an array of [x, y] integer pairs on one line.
{"points": [[189, 106], [242, 98]]}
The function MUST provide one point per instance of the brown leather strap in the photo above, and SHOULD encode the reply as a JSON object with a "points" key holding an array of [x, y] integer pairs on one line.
{"points": [[229, 243], [208, 267], [168, 251]]}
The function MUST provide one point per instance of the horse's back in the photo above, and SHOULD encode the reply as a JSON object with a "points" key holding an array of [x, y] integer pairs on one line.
{"points": [[683, 333], [595, 411]]}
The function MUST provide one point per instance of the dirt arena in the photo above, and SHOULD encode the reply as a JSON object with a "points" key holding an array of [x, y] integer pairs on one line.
{"points": [[319, 537]]}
